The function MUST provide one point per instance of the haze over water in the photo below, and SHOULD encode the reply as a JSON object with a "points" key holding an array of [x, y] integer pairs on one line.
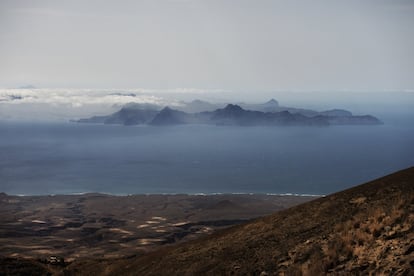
{"points": [[65, 158], [63, 60]]}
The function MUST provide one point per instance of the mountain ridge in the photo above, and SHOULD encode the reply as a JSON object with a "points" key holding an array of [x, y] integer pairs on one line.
{"points": [[232, 114]]}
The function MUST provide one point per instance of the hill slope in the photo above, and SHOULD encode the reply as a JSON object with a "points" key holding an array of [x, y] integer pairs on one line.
{"points": [[366, 228]]}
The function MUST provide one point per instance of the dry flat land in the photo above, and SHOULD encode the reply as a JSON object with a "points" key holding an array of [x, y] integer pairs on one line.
{"points": [[365, 230], [98, 226]]}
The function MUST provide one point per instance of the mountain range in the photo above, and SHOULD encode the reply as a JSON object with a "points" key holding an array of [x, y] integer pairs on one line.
{"points": [[268, 114]]}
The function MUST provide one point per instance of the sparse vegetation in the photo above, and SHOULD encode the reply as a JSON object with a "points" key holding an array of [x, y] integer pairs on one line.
{"points": [[365, 230], [366, 240]]}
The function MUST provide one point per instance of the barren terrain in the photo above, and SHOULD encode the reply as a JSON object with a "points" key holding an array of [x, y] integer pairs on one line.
{"points": [[104, 226], [365, 230]]}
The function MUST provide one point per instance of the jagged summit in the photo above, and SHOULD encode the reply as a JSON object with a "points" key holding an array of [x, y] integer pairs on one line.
{"points": [[233, 108], [166, 109], [169, 116], [272, 102]]}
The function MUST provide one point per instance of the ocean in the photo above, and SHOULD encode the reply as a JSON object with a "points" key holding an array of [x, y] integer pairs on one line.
{"points": [[69, 158]]}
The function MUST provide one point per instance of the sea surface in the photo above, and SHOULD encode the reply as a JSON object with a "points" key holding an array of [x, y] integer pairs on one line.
{"points": [[67, 158]]}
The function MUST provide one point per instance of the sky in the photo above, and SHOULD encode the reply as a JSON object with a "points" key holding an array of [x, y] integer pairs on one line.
{"points": [[87, 57], [207, 44]]}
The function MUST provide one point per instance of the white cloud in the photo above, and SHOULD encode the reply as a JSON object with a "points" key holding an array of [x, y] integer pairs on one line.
{"points": [[65, 104], [75, 97]]}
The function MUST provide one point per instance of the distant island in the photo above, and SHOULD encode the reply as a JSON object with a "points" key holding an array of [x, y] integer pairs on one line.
{"points": [[201, 112]]}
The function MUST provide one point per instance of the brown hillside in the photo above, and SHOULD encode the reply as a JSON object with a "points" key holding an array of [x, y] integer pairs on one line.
{"points": [[367, 229]]}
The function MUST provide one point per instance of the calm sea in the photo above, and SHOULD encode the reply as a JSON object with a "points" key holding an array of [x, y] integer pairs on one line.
{"points": [[65, 158]]}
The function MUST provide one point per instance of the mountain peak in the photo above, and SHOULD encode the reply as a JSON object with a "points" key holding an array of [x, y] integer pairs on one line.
{"points": [[166, 109], [169, 116], [233, 107], [272, 102]]}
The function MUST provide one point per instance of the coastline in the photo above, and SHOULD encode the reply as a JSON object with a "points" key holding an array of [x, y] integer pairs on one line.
{"points": [[96, 225], [150, 194]]}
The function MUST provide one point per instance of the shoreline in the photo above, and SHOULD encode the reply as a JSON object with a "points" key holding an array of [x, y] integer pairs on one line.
{"points": [[166, 194], [95, 225]]}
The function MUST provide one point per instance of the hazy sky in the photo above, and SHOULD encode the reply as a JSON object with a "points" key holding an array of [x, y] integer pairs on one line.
{"points": [[235, 45]]}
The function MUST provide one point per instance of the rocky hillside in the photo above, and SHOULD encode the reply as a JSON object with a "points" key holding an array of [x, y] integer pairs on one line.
{"points": [[366, 229]]}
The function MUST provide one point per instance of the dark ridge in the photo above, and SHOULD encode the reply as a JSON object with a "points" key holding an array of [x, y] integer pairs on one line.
{"points": [[267, 114]]}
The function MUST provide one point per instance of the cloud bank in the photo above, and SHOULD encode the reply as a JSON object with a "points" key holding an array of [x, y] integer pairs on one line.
{"points": [[65, 104], [52, 104]]}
